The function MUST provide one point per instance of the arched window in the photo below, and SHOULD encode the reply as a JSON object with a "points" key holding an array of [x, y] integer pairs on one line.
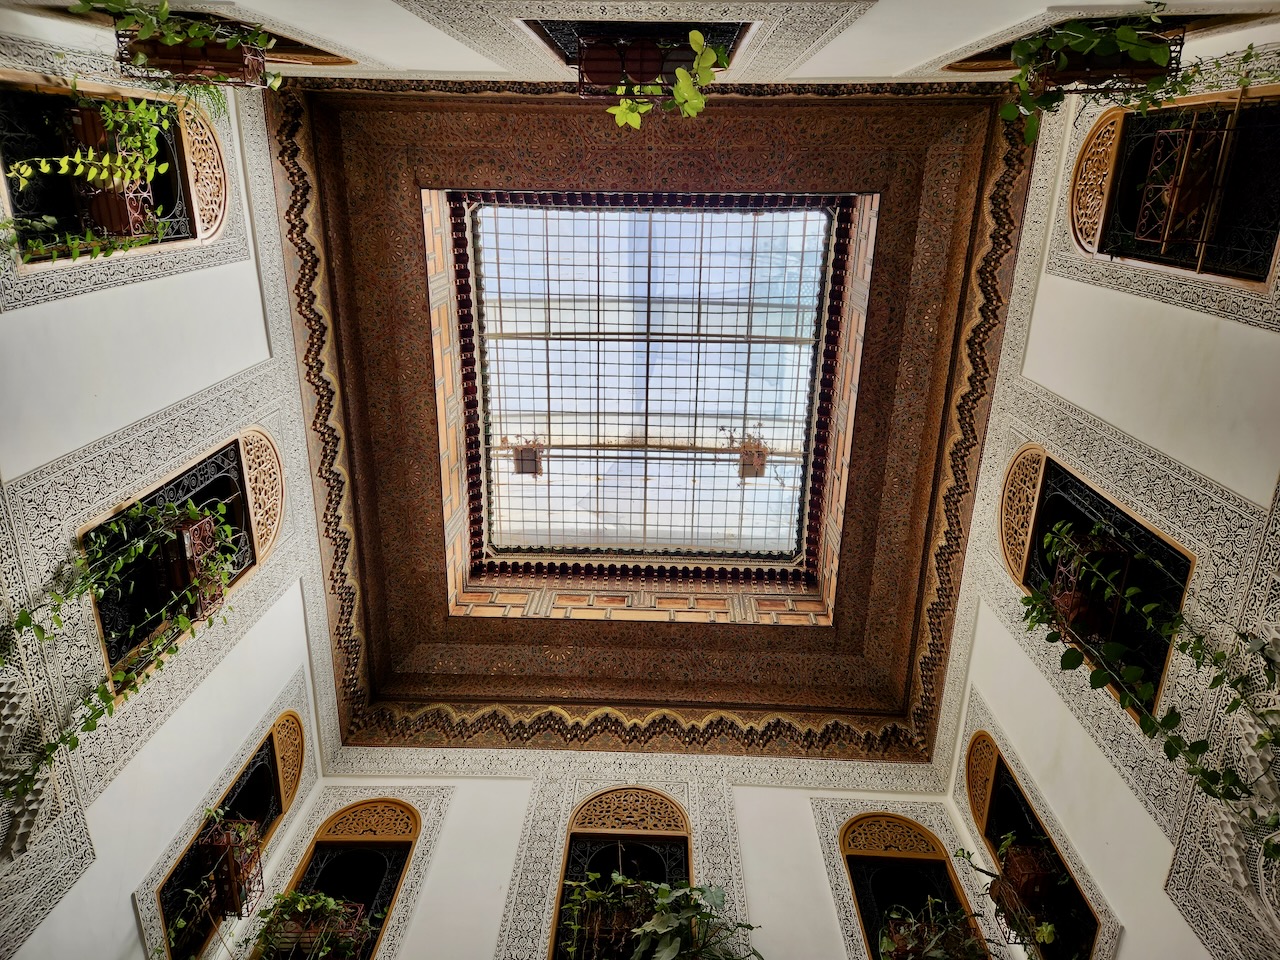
{"points": [[1036, 878], [187, 198], [245, 478], [635, 831], [1187, 187], [205, 886], [1039, 493], [359, 855], [896, 866]]}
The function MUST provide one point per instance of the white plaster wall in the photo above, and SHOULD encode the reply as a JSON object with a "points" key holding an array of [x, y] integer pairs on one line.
{"points": [[137, 816], [1123, 849], [1201, 389], [788, 894], [459, 910]]}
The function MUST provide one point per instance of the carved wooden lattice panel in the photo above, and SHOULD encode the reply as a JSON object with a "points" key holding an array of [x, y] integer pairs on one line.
{"points": [[290, 755], [383, 819], [207, 175], [1092, 178], [265, 479], [879, 833], [980, 769], [631, 808], [1018, 507]]}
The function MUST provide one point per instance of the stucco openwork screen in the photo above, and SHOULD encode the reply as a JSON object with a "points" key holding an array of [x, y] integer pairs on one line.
{"points": [[648, 376]]}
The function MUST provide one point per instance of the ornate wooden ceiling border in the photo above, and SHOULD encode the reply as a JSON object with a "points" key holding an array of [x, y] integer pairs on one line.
{"points": [[366, 719]]}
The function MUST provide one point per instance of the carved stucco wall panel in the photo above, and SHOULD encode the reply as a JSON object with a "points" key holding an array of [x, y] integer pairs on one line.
{"points": [[787, 34], [292, 697], [431, 804], [26, 286], [1236, 544], [978, 717], [40, 512], [830, 814]]}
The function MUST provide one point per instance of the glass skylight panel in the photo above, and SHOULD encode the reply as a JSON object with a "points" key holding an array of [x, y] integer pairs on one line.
{"points": [[634, 363]]}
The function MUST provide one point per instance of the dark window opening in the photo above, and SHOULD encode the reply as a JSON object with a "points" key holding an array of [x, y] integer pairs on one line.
{"points": [[1062, 903], [185, 895], [34, 124], [882, 883], [364, 873], [128, 616], [1194, 189], [1140, 557], [563, 36], [656, 859]]}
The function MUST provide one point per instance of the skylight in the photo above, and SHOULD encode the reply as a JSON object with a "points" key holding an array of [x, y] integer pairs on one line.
{"points": [[647, 376]]}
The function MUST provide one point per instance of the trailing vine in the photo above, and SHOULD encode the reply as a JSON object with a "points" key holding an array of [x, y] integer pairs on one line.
{"points": [[1247, 667], [102, 570]]}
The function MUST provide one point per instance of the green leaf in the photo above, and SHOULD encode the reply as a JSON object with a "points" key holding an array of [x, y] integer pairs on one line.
{"points": [[1114, 651], [1131, 674], [707, 58], [1031, 131], [1171, 719], [1099, 678], [697, 41], [1171, 750], [1072, 658], [1009, 112]]}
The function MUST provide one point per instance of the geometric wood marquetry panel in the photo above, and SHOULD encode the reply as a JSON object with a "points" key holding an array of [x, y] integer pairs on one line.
{"points": [[381, 819], [1091, 180], [981, 771], [630, 809], [877, 834], [205, 172], [1018, 507]]}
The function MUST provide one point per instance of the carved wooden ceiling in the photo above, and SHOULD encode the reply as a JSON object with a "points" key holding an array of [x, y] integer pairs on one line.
{"points": [[425, 652]]}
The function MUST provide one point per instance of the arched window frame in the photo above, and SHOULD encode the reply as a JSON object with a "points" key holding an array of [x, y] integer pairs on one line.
{"points": [[262, 471], [981, 760], [1091, 191], [902, 838], [288, 734], [378, 820], [653, 814], [1020, 500], [203, 166]]}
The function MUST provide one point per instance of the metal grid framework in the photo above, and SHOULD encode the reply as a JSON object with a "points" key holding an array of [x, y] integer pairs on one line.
{"points": [[648, 375]]}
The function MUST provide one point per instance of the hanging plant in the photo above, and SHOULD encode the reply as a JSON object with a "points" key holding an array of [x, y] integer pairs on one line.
{"points": [[1131, 61], [1247, 667], [102, 570], [198, 49], [933, 932], [687, 89], [307, 926]]}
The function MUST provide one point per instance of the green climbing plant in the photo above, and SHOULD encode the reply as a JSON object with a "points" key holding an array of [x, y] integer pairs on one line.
{"points": [[104, 570], [155, 21], [647, 921], [1133, 41], [1246, 666]]}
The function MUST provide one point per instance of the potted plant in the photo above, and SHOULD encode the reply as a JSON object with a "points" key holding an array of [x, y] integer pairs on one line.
{"points": [[303, 926], [1013, 912], [644, 920], [679, 85], [233, 861], [196, 48], [526, 455], [936, 931], [753, 454]]}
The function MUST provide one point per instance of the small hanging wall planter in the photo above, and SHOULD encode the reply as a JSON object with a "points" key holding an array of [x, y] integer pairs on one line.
{"points": [[243, 65], [189, 556], [233, 859], [526, 455]]}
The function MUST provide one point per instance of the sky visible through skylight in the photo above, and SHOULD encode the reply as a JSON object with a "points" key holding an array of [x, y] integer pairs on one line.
{"points": [[636, 350]]}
